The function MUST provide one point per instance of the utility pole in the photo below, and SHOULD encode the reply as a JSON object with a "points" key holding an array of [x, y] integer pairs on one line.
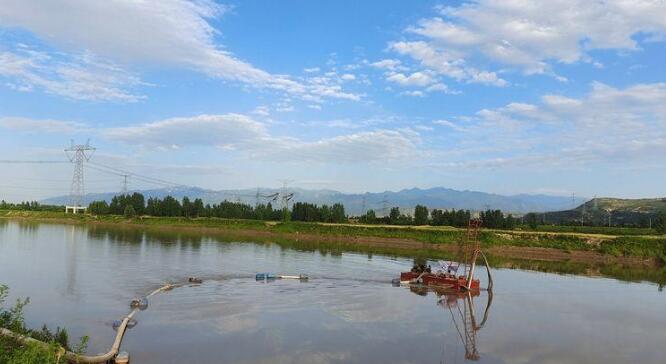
{"points": [[78, 154]]}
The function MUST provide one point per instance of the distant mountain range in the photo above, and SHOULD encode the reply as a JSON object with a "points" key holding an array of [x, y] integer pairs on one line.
{"points": [[439, 197]]}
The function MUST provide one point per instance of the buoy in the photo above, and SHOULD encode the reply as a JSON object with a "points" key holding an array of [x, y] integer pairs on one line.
{"points": [[195, 280], [130, 324], [140, 303], [265, 276], [122, 358], [395, 282]]}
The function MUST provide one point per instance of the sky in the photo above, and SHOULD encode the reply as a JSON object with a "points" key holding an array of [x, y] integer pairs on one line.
{"points": [[535, 96]]}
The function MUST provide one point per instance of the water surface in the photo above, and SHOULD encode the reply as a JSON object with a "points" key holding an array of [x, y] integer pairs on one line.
{"points": [[82, 278]]}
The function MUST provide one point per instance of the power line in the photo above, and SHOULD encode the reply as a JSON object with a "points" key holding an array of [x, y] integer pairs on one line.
{"points": [[121, 172], [30, 162], [136, 177]]}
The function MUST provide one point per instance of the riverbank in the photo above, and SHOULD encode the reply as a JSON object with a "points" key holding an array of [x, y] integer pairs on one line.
{"points": [[636, 250]]}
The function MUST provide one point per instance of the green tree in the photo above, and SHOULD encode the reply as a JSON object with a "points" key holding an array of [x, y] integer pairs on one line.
{"points": [[394, 215], [129, 212], [532, 221], [370, 217], [188, 207], [98, 208], [660, 223], [198, 209], [420, 215], [510, 222], [338, 213]]}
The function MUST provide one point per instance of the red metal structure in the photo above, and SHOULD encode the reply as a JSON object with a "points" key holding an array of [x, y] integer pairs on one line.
{"points": [[469, 250]]}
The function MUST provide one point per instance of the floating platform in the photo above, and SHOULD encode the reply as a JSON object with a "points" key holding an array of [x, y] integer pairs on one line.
{"points": [[439, 280]]}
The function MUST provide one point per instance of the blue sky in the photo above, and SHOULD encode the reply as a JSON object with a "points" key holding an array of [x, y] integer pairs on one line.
{"points": [[553, 97]]}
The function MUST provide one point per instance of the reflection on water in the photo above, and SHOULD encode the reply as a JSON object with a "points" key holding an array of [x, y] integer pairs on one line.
{"points": [[462, 309], [83, 278]]}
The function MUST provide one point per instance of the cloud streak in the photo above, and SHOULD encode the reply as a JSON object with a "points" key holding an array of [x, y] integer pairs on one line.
{"points": [[242, 134]]}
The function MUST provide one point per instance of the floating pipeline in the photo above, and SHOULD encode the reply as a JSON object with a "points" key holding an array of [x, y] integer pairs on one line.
{"points": [[273, 276], [114, 355]]}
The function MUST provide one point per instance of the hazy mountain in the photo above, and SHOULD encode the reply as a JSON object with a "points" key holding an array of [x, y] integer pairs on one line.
{"points": [[438, 197]]}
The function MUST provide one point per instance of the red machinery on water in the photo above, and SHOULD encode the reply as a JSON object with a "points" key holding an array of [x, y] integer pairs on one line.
{"points": [[447, 275]]}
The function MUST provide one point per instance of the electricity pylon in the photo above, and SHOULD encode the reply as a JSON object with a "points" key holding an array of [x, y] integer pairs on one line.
{"points": [[78, 154]]}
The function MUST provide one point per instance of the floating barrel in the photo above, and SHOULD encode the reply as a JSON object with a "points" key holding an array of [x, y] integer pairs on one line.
{"points": [[140, 303], [263, 276], [130, 324]]}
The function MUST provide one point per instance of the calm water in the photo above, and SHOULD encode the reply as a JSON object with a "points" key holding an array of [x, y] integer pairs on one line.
{"points": [[83, 278]]}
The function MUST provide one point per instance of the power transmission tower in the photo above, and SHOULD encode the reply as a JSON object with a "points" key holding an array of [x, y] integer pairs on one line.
{"points": [[124, 186], [285, 195], [385, 205], [78, 154], [363, 207]]}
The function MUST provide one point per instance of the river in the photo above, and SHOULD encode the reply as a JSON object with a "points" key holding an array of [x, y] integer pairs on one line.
{"points": [[83, 278]]}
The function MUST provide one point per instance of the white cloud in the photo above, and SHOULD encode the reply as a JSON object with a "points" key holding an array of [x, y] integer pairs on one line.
{"points": [[529, 34], [262, 111], [415, 93], [41, 126], [228, 131], [171, 33], [445, 63], [415, 79], [380, 145], [348, 77], [236, 132], [449, 124], [388, 64], [75, 77], [440, 87], [608, 125]]}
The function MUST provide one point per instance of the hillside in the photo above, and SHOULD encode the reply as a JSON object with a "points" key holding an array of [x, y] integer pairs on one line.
{"points": [[622, 212], [438, 197]]}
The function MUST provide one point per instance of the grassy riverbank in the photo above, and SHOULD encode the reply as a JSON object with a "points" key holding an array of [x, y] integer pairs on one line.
{"points": [[624, 247], [13, 351]]}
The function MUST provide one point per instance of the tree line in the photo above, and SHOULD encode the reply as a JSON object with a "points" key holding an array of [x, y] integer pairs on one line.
{"points": [[136, 204], [29, 206], [494, 219]]}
